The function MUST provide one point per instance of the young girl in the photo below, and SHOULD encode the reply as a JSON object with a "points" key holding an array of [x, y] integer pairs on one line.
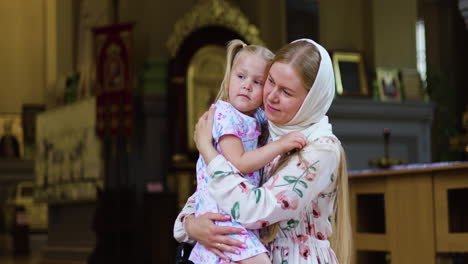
{"points": [[236, 130]]}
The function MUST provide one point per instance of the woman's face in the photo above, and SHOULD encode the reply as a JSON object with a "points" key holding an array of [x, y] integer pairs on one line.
{"points": [[283, 93]]}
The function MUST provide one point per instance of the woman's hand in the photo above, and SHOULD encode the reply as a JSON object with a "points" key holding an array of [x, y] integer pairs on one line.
{"points": [[215, 238], [203, 136]]}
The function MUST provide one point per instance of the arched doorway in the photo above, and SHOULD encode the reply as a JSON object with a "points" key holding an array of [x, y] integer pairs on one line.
{"points": [[196, 69]]}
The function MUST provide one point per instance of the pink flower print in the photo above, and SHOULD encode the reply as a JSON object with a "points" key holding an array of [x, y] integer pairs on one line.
{"points": [[300, 239], [287, 199], [285, 252], [220, 115], [305, 166], [272, 185], [310, 229], [310, 175], [261, 223], [315, 210], [327, 140], [181, 218], [320, 236], [304, 250], [301, 165], [244, 187]]}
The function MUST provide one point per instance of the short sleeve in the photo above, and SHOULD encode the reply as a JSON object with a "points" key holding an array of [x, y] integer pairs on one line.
{"points": [[229, 121], [225, 122]]}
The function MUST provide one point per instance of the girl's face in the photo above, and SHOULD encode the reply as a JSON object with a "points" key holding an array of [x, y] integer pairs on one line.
{"points": [[246, 83], [284, 93]]}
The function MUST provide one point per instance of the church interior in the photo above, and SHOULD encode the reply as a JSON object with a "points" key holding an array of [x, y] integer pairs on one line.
{"points": [[99, 101]]}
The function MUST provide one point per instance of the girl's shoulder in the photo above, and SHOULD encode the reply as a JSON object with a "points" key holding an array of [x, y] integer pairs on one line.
{"points": [[225, 108], [226, 111], [228, 120]]}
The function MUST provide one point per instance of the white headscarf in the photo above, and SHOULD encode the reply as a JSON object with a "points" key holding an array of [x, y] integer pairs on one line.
{"points": [[311, 119]]}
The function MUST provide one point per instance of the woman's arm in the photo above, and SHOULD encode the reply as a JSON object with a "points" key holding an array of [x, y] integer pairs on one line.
{"points": [[215, 238], [250, 161], [180, 233], [189, 229], [286, 192]]}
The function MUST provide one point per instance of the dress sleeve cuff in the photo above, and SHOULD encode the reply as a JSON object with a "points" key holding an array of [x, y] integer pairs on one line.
{"points": [[187, 239], [215, 164]]}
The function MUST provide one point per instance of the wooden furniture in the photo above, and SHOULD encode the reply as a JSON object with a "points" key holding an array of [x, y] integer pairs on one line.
{"points": [[410, 214]]}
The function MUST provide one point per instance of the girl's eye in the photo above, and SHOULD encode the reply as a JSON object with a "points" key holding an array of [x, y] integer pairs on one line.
{"points": [[258, 82], [240, 76]]}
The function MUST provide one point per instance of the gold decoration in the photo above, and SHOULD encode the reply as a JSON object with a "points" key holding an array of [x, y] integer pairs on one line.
{"points": [[213, 13], [204, 76]]}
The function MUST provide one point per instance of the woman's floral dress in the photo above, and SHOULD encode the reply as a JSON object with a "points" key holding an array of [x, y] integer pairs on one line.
{"points": [[300, 197], [228, 121]]}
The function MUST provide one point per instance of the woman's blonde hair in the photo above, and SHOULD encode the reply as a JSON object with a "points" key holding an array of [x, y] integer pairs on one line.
{"points": [[235, 48], [341, 240], [305, 59]]}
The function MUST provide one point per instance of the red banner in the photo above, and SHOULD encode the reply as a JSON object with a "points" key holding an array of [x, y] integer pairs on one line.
{"points": [[114, 80]]}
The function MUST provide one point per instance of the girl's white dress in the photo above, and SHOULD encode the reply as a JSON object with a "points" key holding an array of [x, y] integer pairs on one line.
{"points": [[228, 121]]}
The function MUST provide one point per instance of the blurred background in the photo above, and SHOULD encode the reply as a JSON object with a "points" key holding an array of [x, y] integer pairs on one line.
{"points": [[99, 99]]}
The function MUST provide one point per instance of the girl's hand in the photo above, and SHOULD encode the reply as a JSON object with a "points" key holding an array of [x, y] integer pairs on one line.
{"points": [[215, 238], [293, 140], [204, 137], [202, 134]]}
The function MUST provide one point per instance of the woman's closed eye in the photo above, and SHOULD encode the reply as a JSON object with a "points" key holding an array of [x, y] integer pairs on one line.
{"points": [[270, 80], [286, 92]]}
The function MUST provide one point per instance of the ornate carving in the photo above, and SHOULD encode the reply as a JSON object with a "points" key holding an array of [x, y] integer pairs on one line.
{"points": [[213, 13]]}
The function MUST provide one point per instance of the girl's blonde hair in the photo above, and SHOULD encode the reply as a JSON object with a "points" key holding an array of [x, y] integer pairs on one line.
{"points": [[305, 58], [235, 48]]}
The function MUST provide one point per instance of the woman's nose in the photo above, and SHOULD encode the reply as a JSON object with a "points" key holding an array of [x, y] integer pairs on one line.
{"points": [[273, 95]]}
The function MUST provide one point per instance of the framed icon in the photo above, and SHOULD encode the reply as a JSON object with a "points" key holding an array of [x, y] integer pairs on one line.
{"points": [[350, 74], [388, 83], [11, 136]]}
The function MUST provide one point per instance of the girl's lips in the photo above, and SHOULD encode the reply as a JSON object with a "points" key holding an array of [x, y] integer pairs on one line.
{"points": [[271, 109], [243, 95]]}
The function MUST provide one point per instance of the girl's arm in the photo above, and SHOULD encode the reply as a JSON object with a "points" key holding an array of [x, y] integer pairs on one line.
{"points": [[250, 161], [283, 195], [203, 137]]}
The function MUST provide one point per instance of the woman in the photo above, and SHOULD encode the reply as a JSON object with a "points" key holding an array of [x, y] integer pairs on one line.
{"points": [[305, 198]]}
